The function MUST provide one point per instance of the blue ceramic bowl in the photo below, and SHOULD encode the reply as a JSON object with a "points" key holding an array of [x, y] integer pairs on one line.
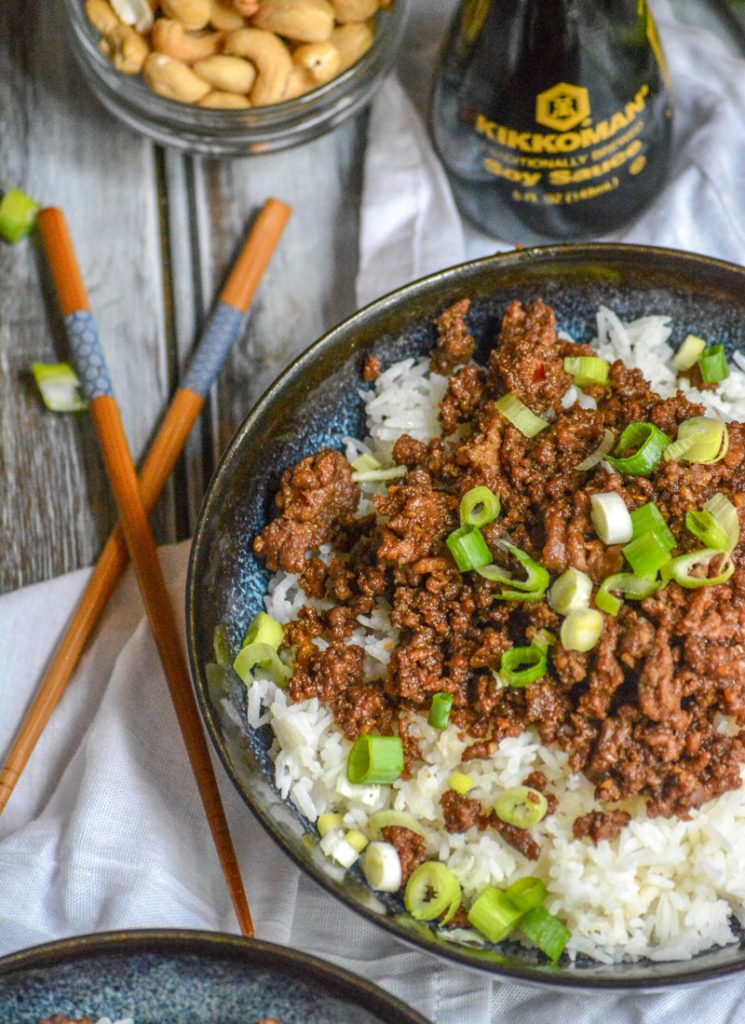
{"points": [[314, 404], [187, 977]]}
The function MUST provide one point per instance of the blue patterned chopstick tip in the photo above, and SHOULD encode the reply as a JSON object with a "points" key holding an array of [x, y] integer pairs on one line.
{"points": [[217, 340], [88, 355]]}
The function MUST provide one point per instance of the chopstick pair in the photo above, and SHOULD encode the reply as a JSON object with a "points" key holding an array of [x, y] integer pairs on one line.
{"points": [[135, 499]]}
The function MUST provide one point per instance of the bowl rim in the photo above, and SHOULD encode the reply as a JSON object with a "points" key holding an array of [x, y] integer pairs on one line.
{"points": [[464, 956], [219, 946]]}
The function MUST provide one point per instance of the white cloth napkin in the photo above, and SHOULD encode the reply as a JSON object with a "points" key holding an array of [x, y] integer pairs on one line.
{"points": [[105, 829]]}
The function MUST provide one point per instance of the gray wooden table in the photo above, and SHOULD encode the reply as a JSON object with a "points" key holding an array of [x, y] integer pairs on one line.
{"points": [[155, 232]]}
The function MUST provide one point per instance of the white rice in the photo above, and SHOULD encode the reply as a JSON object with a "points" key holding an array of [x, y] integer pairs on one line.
{"points": [[663, 889]]}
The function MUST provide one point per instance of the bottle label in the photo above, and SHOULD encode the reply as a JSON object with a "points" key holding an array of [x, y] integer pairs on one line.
{"points": [[576, 159]]}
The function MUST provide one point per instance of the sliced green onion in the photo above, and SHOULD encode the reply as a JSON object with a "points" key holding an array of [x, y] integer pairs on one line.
{"points": [[587, 370], [611, 518], [221, 646], [382, 867], [634, 587], [366, 462], [375, 759], [599, 454], [432, 892], [59, 386], [705, 527], [688, 352], [461, 782], [264, 630], [18, 214], [726, 515], [545, 931], [713, 364], [373, 475], [521, 806], [399, 819], [334, 845], [700, 440], [356, 839], [468, 548], [264, 656], [439, 710], [581, 629], [521, 666], [649, 441], [493, 914], [520, 415], [479, 506], [527, 893], [328, 822], [680, 569], [544, 639], [569, 591], [536, 579], [649, 519], [646, 554]]}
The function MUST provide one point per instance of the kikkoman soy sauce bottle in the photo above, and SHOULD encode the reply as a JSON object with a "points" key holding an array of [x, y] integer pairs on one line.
{"points": [[553, 117]]}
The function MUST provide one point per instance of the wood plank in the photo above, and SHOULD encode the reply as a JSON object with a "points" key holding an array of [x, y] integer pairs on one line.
{"points": [[61, 146], [309, 286]]}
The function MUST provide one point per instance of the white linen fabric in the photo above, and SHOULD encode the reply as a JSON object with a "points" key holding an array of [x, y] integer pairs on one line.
{"points": [[105, 829]]}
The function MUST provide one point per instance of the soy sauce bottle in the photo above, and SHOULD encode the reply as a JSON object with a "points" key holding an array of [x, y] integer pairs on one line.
{"points": [[553, 118]]}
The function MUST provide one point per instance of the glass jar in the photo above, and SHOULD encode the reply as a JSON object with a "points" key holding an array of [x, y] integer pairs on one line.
{"points": [[234, 132]]}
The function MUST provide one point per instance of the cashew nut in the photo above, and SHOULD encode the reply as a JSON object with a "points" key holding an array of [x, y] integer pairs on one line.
{"points": [[299, 82], [354, 10], [101, 15], [134, 12], [224, 101], [127, 49], [170, 36], [224, 17], [174, 79], [307, 21], [352, 41], [193, 14], [271, 58], [246, 7], [322, 60], [227, 74]]}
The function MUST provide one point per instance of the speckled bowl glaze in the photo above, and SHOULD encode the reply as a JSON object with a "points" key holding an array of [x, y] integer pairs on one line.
{"points": [[187, 977], [314, 404]]}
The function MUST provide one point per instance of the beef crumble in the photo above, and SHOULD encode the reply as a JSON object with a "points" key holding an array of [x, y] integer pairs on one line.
{"points": [[639, 714]]}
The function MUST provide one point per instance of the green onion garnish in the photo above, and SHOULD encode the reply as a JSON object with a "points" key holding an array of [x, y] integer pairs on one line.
{"points": [[726, 515], [545, 931], [688, 352], [600, 452], [527, 893], [432, 892], [581, 629], [544, 638], [649, 441], [521, 666], [587, 370], [705, 527], [468, 548], [680, 569], [221, 646], [611, 518], [649, 519], [382, 867], [646, 554], [571, 590], [532, 588], [384, 819], [328, 822], [59, 386], [375, 759], [18, 214], [375, 475], [521, 806], [493, 914], [365, 463], [264, 630], [700, 440], [265, 657], [634, 587], [461, 782], [713, 364], [520, 415], [478, 507], [439, 711]]}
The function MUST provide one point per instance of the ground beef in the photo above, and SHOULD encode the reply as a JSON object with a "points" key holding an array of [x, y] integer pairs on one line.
{"points": [[410, 848], [598, 825], [639, 714], [372, 368]]}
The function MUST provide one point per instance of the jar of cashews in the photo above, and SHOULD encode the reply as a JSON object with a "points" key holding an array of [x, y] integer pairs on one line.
{"points": [[235, 76]]}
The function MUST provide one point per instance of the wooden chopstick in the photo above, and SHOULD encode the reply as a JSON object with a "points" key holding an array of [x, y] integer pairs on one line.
{"points": [[222, 329], [88, 355]]}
